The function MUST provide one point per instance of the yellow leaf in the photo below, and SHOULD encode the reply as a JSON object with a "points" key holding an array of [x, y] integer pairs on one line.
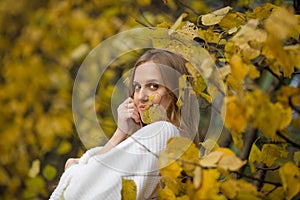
{"points": [[64, 148], [208, 188], [255, 154], [211, 37], [209, 145], [166, 194], [230, 49], [189, 159], [232, 20], [229, 188], [235, 118], [263, 11], [215, 17], [275, 194], [182, 87], [197, 178], [297, 157], [152, 114], [239, 189], [290, 176], [233, 83], [272, 152], [211, 159], [177, 23], [35, 168], [206, 97], [49, 172], [143, 2], [238, 69], [280, 23], [178, 147], [189, 29], [253, 72], [231, 163], [248, 33], [172, 170], [128, 191]]}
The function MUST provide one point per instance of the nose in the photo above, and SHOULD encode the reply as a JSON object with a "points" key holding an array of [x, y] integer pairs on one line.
{"points": [[143, 94]]}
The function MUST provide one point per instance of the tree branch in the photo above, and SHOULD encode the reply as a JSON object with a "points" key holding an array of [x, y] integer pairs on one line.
{"points": [[257, 179], [250, 137], [288, 139]]}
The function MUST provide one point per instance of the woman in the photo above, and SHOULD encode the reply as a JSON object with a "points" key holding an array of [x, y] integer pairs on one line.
{"points": [[146, 121]]}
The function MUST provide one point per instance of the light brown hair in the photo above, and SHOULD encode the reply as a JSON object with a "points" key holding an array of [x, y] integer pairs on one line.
{"points": [[172, 66]]}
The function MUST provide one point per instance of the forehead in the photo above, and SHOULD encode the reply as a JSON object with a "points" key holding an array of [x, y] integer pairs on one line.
{"points": [[146, 72]]}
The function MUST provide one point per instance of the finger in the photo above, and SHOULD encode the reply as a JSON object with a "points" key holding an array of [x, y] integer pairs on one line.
{"points": [[133, 113]]}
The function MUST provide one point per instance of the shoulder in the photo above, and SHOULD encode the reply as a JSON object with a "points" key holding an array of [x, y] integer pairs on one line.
{"points": [[159, 128], [152, 137]]}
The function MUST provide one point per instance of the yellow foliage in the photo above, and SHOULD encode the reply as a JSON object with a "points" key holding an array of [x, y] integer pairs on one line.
{"points": [[271, 152], [279, 26], [129, 189], [297, 157], [239, 189], [234, 115], [215, 17], [290, 176], [232, 20], [166, 194], [238, 69], [209, 185]]}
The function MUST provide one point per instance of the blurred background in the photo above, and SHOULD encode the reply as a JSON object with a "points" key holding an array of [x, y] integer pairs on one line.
{"points": [[42, 45]]}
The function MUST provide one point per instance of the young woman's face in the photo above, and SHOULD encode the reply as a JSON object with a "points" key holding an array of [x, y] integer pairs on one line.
{"points": [[148, 88]]}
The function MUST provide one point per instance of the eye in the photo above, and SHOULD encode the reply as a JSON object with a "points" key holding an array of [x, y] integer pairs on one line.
{"points": [[136, 86], [153, 86]]}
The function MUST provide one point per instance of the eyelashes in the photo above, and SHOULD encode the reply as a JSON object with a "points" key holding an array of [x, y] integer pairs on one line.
{"points": [[151, 86]]}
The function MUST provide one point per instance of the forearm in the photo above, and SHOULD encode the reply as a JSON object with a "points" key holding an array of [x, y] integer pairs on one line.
{"points": [[117, 137]]}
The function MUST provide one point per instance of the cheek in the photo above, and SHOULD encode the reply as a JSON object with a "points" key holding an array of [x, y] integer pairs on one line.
{"points": [[165, 101]]}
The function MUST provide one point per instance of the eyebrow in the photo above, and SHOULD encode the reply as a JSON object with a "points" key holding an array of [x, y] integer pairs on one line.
{"points": [[149, 81]]}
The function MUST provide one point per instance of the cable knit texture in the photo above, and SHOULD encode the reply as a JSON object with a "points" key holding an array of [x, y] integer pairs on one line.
{"points": [[99, 176]]}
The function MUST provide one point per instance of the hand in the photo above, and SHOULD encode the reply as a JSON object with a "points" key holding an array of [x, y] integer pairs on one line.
{"points": [[70, 162], [128, 116]]}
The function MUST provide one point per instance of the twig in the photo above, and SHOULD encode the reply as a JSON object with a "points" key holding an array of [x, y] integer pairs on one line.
{"points": [[257, 179], [287, 139], [249, 139], [143, 24], [293, 106], [268, 168], [260, 174], [188, 7]]}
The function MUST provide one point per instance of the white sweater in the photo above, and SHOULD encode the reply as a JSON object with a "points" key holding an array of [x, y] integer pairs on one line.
{"points": [[99, 177]]}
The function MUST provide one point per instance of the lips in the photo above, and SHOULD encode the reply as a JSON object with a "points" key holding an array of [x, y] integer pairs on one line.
{"points": [[143, 107]]}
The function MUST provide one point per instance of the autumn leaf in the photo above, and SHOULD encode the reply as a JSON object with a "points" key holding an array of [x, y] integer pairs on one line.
{"points": [[234, 115], [166, 194], [232, 20], [262, 12], [271, 152], [231, 163], [208, 188], [239, 189], [215, 17], [290, 176], [129, 189], [171, 170], [279, 26], [211, 159]]}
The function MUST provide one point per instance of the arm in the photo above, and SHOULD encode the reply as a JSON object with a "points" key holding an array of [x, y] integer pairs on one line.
{"points": [[128, 118]]}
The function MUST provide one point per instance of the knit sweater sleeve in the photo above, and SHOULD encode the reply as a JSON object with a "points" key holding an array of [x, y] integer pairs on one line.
{"points": [[100, 176]]}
